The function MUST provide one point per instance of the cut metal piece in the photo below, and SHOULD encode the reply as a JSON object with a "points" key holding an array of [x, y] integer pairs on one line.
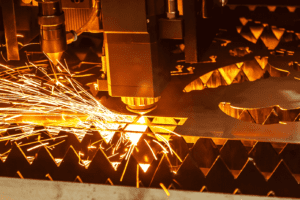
{"points": [[265, 116], [252, 70]]}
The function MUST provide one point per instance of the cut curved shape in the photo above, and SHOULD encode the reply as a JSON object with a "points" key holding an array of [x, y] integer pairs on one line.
{"points": [[270, 36], [236, 73], [266, 115]]}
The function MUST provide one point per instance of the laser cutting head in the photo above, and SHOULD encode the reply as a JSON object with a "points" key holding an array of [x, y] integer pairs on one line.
{"points": [[52, 29]]}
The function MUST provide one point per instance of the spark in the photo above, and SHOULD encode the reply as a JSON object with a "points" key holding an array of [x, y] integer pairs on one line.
{"points": [[165, 150], [112, 155], [151, 149], [37, 146], [10, 118], [177, 155], [60, 103], [170, 131], [164, 140], [165, 189], [51, 146]]}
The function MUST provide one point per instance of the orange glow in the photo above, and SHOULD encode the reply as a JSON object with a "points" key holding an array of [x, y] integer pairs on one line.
{"points": [[141, 120], [144, 166], [151, 149], [134, 137], [137, 128], [107, 135], [115, 165]]}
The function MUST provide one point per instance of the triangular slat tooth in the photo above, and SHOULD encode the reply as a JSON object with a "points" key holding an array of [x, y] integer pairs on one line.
{"points": [[109, 182], [204, 152], [78, 179], [278, 146], [291, 156], [252, 70], [256, 30], [239, 29], [142, 152], [237, 191], [181, 121], [127, 172], [215, 80], [262, 61], [70, 140], [272, 118], [278, 32], [45, 135], [150, 119], [291, 8], [27, 148], [189, 176], [112, 151], [206, 77], [234, 154], [264, 156], [271, 194], [194, 85], [70, 166], [274, 72], [260, 114], [16, 161], [146, 177], [297, 118], [282, 182], [288, 36], [180, 147], [240, 77], [246, 116], [204, 189], [243, 20], [177, 120], [219, 178], [43, 164], [99, 169], [288, 115], [271, 8], [269, 39], [89, 140], [162, 174], [248, 144], [14, 129], [229, 73], [239, 65], [251, 181], [252, 7], [247, 34]]}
